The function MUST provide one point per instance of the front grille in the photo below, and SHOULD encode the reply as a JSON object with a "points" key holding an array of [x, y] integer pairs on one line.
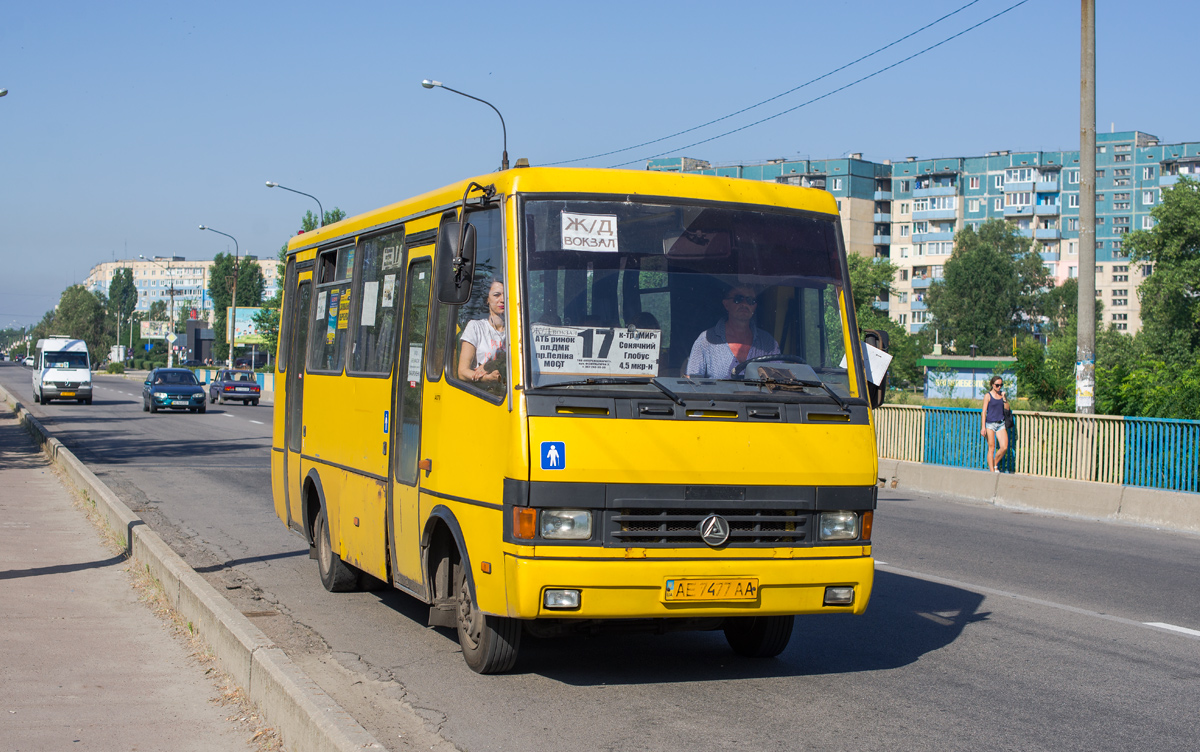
{"points": [[64, 385], [681, 527]]}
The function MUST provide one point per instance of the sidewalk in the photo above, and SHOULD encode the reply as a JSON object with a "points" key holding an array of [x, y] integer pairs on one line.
{"points": [[83, 664]]}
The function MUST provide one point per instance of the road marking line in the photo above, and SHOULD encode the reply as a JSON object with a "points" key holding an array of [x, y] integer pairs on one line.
{"points": [[1173, 628], [259, 422], [1036, 601], [228, 415]]}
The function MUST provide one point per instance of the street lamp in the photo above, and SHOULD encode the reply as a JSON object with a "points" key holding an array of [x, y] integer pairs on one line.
{"points": [[3, 92], [321, 217], [430, 84], [170, 345], [233, 320]]}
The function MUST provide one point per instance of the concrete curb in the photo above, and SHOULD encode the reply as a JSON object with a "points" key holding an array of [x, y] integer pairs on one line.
{"points": [[1176, 510], [306, 717]]}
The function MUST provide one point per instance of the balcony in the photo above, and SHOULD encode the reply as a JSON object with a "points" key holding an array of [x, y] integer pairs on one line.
{"points": [[1024, 232], [883, 195], [929, 237], [921, 283], [884, 218], [935, 214], [1047, 186], [1015, 187], [879, 305], [1018, 211], [937, 190], [881, 239], [1047, 210], [918, 305], [1047, 234], [1167, 180], [914, 328]]}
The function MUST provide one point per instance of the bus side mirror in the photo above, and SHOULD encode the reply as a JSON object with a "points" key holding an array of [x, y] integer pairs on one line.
{"points": [[455, 266], [876, 338]]}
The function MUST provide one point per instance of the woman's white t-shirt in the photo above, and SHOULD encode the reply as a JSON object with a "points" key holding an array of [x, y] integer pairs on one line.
{"points": [[485, 338]]}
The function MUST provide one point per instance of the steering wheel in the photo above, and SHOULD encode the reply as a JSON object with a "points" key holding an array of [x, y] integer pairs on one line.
{"points": [[777, 358]]}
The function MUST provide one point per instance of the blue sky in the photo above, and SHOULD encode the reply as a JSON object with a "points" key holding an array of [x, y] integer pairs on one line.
{"points": [[127, 125]]}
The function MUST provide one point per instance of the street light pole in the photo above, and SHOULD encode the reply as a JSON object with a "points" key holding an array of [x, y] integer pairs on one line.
{"points": [[170, 344], [430, 84], [233, 315], [321, 217]]}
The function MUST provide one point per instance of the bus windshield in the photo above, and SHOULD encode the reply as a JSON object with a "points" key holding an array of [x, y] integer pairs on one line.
{"points": [[700, 298]]}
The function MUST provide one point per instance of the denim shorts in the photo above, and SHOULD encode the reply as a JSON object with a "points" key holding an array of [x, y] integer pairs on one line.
{"points": [[997, 427]]}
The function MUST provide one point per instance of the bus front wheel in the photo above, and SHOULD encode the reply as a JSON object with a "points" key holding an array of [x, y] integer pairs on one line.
{"points": [[758, 636], [336, 575], [489, 643]]}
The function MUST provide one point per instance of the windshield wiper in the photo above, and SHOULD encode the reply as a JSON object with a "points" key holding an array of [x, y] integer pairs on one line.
{"points": [[609, 381], [769, 381]]}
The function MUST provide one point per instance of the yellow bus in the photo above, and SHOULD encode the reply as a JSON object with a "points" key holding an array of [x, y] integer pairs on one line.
{"points": [[546, 400]]}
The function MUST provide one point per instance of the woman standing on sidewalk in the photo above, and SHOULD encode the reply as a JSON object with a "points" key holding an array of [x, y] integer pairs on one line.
{"points": [[995, 404]]}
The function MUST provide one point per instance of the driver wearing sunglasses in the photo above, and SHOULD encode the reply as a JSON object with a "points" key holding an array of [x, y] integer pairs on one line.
{"points": [[734, 340]]}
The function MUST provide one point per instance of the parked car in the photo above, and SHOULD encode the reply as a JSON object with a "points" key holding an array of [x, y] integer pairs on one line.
{"points": [[234, 385], [172, 389], [192, 364], [30, 360]]}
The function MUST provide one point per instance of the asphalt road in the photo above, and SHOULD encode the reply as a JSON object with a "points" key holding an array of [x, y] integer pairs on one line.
{"points": [[988, 629]]}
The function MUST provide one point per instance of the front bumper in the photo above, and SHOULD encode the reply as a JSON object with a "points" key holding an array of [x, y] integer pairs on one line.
{"points": [[168, 401], [59, 391], [633, 588]]}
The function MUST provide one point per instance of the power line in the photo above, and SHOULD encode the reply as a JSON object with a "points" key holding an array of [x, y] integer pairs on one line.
{"points": [[771, 99], [830, 93]]}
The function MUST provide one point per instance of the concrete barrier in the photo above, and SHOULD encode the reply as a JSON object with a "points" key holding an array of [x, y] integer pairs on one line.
{"points": [[306, 717], [1176, 510]]}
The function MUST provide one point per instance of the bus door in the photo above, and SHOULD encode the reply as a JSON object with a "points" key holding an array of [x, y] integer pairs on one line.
{"points": [[301, 301], [407, 391]]}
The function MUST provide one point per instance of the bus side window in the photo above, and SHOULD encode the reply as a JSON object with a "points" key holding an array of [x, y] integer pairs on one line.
{"points": [[376, 317], [480, 356], [331, 314]]}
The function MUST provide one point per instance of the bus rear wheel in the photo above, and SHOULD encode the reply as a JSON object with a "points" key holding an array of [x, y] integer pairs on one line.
{"points": [[336, 575], [489, 643], [758, 636]]}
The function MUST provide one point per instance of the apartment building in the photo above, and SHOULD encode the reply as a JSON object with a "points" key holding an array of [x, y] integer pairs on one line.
{"points": [[915, 208], [154, 279]]}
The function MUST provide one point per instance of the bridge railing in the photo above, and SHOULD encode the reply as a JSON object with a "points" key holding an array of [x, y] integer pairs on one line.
{"points": [[1148, 452]]}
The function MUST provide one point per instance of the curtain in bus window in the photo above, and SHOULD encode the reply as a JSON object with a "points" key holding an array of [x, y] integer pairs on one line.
{"points": [[378, 315], [331, 314], [481, 337]]}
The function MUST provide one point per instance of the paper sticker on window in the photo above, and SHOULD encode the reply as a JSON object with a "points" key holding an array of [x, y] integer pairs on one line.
{"points": [[370, 301], [414, 363], [583, 351], [389, 291], [343, 313], [331, 318], [319, 310], [391, 257], [589, 232]]}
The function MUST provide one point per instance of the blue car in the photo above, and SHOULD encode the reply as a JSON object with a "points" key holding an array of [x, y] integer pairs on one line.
{"points": [[234, 385], [172, 389]]}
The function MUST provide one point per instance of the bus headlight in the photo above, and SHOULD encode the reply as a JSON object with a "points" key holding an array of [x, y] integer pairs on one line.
{"points": [[566, 524], [838, 526]]}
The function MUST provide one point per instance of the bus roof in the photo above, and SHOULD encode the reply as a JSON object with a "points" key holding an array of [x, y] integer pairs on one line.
{"points": [[585, 181], [62, 344]]}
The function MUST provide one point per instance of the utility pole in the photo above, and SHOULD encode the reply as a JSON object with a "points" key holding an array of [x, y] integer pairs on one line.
{"points": [[1085, 346]]}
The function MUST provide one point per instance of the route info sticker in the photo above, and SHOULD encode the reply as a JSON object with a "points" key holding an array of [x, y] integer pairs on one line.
{"points": [[587, 351], [589, 232]]}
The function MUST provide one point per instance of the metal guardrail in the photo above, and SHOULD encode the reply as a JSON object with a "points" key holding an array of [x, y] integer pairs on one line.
{"points": [[1146, 452]]}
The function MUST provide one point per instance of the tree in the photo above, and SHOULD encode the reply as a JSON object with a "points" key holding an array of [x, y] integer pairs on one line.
{"points": [[870, 280], [158, 311], [1170, 296], [220, 289], [122, 296], [992, 289], [81, 315]]}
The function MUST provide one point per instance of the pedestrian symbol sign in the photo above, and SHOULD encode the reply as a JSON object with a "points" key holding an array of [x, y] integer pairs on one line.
{"points": [[554, 455]]}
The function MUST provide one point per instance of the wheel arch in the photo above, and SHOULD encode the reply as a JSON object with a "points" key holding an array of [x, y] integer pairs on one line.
{"points": [[312, 500], [441, 518]]}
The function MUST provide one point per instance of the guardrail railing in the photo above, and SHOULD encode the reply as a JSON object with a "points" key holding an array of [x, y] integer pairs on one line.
{"points": [[1148, 452]]}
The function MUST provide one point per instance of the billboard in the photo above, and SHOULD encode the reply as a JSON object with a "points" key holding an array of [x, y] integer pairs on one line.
{"points": [[247, 330], [155, 329]]}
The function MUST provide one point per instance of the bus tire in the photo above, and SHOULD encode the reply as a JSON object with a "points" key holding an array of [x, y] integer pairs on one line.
{"points": [[489, 643], [336, 575], [758, 636]]}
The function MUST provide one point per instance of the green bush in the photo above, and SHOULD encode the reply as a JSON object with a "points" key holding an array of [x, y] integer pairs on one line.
{"points": [[115, 368]]}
